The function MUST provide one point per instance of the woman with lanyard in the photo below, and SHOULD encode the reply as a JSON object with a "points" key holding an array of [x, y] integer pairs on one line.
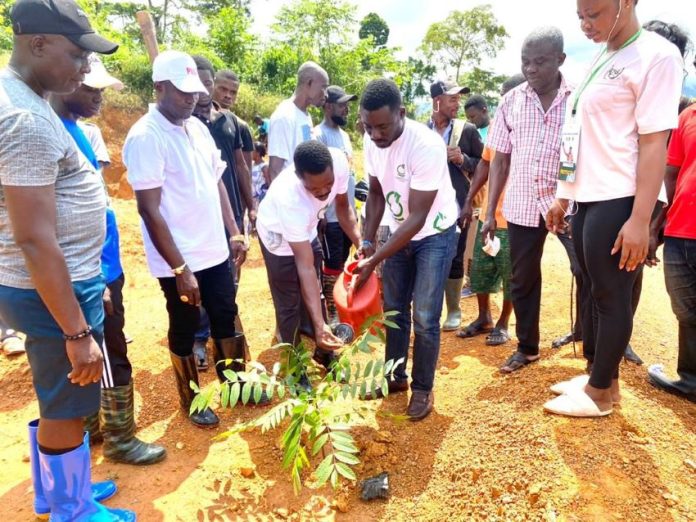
{"points": [[618, 123]]}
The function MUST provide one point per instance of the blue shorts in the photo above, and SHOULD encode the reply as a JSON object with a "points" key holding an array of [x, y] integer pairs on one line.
{"points": [[23, 310]]}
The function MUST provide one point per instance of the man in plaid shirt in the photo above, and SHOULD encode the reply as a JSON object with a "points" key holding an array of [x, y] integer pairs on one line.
{"points": [[526, 136]]}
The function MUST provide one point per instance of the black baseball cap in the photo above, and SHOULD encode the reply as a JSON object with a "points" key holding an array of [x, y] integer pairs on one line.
{"points": [[335, 94], [63, 17], [449, 87]]}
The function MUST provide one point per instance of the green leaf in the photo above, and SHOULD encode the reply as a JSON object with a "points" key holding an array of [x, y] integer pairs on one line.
{"points": [[345, 391], [324, 470], [246, 392], [281, 391], [225, 395], [377, 369], [348, 458], [194, 387], [334, 477], [296, 480], [373, 387], [319, 443], [234, 393], [276, 368], [388, 366], [363, 389], [368, 369], [344, 446], [258, 391], [390, 324], [385, 387], [344, 470], [230, 375]]}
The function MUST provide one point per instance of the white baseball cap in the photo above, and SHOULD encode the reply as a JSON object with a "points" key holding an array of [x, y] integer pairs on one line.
{"points": [[178, 68], [99, 77]]}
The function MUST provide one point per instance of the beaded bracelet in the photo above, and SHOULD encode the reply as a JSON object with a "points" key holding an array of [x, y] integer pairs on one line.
{"points": [[84, 333]]}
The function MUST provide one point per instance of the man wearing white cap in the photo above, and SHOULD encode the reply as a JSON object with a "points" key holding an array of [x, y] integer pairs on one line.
{"points": [[175, 169], [115, 423]]}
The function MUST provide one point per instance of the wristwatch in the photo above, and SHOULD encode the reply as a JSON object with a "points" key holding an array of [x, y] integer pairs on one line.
{"points": [[179, 270], [366, 243]]}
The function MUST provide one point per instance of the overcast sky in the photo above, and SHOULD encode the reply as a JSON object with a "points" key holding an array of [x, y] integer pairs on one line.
{"points": [[408, 21]]}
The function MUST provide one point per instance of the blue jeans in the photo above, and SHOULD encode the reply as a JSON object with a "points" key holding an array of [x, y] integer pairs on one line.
{"points": [[417, 274], [680, 278]]}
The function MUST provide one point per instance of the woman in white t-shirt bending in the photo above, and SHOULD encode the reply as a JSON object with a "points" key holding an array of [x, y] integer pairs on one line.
{"points": [[624, 109]]}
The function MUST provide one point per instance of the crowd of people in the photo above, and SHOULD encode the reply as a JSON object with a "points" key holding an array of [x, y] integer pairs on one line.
{"points": [[454, 207]]}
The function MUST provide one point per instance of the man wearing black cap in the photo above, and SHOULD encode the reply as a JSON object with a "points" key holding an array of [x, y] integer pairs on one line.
{"points": [[336, 243], [464, 148], [52, 227]]}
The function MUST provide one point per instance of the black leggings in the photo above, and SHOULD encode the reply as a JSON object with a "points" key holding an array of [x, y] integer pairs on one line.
{"points": [[608, 328]]}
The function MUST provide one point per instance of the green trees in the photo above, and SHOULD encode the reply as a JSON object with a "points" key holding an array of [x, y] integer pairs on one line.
{"points": [[352, 51], [462, 41], [374, 26]]}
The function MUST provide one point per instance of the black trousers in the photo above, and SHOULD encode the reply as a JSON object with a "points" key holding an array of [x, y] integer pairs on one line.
{"points": [[336, 247], [581, 291], [526, 250], [608, 328], [218, 297], [291, 313], [117, 367], [457, 268]]}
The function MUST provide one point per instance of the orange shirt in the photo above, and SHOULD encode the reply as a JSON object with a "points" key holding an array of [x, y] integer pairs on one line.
{"points": [[501, 222]]}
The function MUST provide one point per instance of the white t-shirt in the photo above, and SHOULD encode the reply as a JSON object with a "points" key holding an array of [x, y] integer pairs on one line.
{"points": [[185, 163], [416, 160], [636, 92], [289, 213], [96, 140], [338, 138], [289, 127]]}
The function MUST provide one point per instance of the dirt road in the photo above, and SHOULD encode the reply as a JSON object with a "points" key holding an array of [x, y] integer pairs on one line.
{"points": [[488, 452]]}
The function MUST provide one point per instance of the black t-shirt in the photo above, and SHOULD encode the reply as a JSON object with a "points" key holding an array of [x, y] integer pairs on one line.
{"points": [[226, 132], [247, 137]]}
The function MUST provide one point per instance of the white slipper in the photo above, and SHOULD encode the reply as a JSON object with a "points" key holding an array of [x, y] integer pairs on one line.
{"points": [[575, 403], [576, 382], [13, 345]]}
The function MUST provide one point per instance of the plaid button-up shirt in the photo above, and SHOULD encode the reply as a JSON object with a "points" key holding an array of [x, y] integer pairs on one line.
{"points": [[533, 139]]}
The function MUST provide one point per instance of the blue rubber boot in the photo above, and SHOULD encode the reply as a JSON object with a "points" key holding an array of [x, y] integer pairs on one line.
{"points": [[100, 490], [66, 481]]}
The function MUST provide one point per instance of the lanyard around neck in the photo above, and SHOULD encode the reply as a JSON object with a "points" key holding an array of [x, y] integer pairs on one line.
{"points": [[599, 67]]}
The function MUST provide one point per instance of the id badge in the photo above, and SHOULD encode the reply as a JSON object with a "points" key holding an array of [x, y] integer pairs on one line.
{"points": [[570, 145]]}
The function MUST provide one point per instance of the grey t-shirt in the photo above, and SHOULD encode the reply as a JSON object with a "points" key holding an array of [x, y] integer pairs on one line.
{"points": [[36, 151], [339, 139]]}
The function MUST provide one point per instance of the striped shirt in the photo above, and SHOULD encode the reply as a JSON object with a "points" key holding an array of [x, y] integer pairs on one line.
{"points": [[533, 139]]}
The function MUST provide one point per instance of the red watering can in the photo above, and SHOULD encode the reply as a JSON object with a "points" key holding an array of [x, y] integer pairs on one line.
{"points": [[354, 307]]}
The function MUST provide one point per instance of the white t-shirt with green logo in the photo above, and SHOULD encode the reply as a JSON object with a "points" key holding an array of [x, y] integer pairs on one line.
{"points": [[290, 214], [416, 160]]}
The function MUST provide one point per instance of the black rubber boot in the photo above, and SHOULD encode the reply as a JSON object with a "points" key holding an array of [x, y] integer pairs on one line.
{"points": [[118, 429], [184, 372], [233, 348]]}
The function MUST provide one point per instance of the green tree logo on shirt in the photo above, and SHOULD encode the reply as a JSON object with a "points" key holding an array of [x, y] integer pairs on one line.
{"points": [[395, 206], [437, 225]]}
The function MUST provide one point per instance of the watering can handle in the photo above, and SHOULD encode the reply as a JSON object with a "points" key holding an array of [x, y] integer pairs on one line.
{"points": [[351, 290]]}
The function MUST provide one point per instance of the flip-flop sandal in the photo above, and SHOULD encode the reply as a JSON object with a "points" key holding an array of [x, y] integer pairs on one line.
{"points": [[575, 403], [13, 345], [473, 330], [497, 337], [517, 361]]}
